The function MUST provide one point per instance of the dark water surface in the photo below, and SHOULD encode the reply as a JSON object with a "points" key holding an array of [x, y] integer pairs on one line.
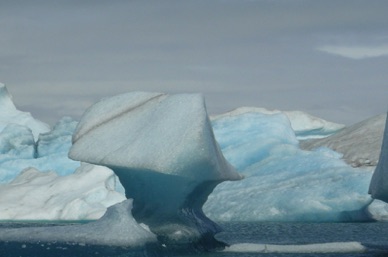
{"points": [[374, 236]]}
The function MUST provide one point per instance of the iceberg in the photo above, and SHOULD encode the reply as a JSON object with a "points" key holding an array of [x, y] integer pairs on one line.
{"points": [[163, 150], [283, 182], [83, 195], [303, 124], [9, 114], [58, 139], [360, 143], [379, 184], [16, 142], [378, 210], [18, 150], [116, 229], [335, 247], [26, 142]]}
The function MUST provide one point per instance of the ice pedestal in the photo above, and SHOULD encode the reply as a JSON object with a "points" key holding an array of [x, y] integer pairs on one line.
{"points": [[163, 150]]}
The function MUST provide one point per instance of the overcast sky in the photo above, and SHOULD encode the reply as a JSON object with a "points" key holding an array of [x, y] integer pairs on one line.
{"points": [[328, 58]]}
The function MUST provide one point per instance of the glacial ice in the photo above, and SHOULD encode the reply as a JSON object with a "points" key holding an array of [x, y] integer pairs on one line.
{"points": [[16, 142], [378, 210], [58, 140], [283, 182], [83, 195], [360, 143], [379, 184], [164, 152], [335, 247], [116, 228], [19, 151], [10, 115], [304, 125]]}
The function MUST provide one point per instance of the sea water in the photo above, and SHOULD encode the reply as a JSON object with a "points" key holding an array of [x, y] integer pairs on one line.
{"points": [[285, 239]]}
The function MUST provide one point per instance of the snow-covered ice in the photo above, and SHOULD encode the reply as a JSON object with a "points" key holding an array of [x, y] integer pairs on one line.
{"points": [[163, 150]]}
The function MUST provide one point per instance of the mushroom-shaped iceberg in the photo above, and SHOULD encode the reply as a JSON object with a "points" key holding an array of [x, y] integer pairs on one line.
{"points": [[163, 150]]}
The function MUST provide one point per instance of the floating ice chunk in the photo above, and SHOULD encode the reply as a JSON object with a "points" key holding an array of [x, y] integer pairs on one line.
{"points": [[360, 143], [35, 195], [117, 228], [379, 184], [9, 114], [335, 247], [164, 152], [378, 210]]}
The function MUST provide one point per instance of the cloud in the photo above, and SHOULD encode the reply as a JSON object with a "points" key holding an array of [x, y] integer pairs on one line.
{"points": [[356, 52], [58, 57]]}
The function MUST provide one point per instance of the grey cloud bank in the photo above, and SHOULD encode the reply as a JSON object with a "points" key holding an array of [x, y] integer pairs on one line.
{"points": [[58, 57]]}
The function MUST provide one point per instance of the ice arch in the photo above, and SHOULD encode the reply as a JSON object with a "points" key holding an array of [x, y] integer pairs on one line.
{"points": [[163, 150]]}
